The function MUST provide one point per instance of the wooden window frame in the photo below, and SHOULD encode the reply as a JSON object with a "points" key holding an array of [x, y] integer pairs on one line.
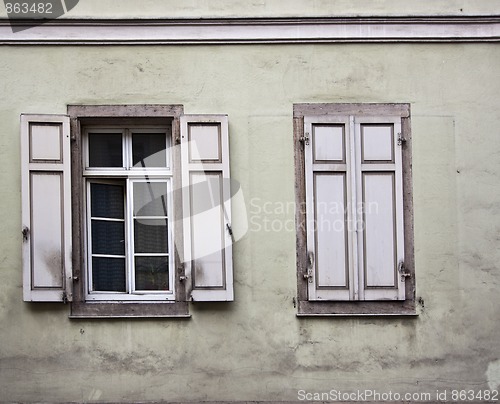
{"points": [[81, 115], [306, 307]]}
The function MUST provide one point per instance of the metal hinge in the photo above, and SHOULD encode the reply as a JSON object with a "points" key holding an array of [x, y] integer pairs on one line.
{"points": [[181, 270], [65, 297], [305, 139], [401, 139], [26, 233], [404, 273], [229, 229], [310, 265]]}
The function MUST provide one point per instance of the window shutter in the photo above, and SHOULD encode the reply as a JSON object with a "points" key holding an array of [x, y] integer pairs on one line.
{"points": [[46, 207], [330, 247], [206, 197], [379, 185]]}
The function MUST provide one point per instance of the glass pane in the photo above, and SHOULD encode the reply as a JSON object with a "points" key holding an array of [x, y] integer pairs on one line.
{"points": [[149, 150], [105, 150], [150, 236], [150, 199], [107, 201], [108, 237], [151, 273], [108, 274]]}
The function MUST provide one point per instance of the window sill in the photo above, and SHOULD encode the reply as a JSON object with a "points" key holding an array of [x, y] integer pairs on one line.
{"points": [[130, 310], [343, 309]]}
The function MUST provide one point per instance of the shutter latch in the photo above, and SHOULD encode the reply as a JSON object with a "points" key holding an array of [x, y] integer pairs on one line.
{"points": [[403, 271], [305, 139], [310, 265], [401, 139]]}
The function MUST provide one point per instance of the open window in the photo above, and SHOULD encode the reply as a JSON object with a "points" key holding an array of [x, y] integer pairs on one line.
{"points": [[117, 196]]}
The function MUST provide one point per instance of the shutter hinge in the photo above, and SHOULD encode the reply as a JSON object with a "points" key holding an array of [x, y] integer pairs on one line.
{"points": [[401, 139], [26, 233], [65, 297], [310, 264], [404, 273], [181, 271], [305, 139]]}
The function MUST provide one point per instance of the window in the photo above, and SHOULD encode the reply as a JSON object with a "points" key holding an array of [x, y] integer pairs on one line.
{"points": [[128, 189], [354, 215], [126, 210]]}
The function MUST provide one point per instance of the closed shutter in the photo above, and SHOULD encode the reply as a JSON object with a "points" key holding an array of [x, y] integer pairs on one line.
{"points": [[379, 186], [328, 178], [206, 196], [46, 207]]}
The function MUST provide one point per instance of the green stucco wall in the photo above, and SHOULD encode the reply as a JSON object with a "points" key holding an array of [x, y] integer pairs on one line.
{"points": [[256, 348]]}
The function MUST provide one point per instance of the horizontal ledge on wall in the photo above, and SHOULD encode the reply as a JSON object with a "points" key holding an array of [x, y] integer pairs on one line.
{"points": [[250, 31]]}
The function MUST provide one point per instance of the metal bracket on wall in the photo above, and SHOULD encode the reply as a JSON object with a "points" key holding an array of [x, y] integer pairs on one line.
{"points": [[403, 271], [305, 139], [401, 139]]}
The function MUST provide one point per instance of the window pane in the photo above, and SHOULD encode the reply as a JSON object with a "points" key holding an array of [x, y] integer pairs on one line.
{"points": [[150, 199], [108, 274], [108, 237], [105, 150], [107, 201], [150, 236], [149, 150], [151, 273]]}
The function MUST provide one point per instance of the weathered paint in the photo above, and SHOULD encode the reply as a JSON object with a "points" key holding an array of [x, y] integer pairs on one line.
{"points": [[255, 348], [276, 8]]}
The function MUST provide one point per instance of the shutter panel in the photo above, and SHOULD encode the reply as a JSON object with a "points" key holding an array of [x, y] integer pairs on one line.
{"points": [[330, 246], [46, 207], [379, 185], [206, 197]]}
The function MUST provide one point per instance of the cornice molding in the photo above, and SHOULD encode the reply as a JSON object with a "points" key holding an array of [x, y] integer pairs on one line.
{"points": [[252, 31]]}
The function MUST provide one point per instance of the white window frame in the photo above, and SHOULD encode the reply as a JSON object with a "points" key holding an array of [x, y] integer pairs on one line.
{"points": [[128, 175]]}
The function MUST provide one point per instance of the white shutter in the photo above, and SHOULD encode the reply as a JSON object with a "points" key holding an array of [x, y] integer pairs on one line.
{"points": [[206, 196], [46, 207], [379, 185], [328, 177]]}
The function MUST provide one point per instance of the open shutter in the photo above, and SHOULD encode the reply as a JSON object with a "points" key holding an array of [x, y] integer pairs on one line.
{"points": [[379, 185], [206, 204], [330, 247], [46, 207]]}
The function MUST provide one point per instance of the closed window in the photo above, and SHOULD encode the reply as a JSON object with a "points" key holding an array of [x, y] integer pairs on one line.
{"points": [[354, 237]]}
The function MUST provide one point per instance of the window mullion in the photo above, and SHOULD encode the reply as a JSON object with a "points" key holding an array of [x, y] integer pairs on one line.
{"points": [[127, 149], [129, 227]]}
